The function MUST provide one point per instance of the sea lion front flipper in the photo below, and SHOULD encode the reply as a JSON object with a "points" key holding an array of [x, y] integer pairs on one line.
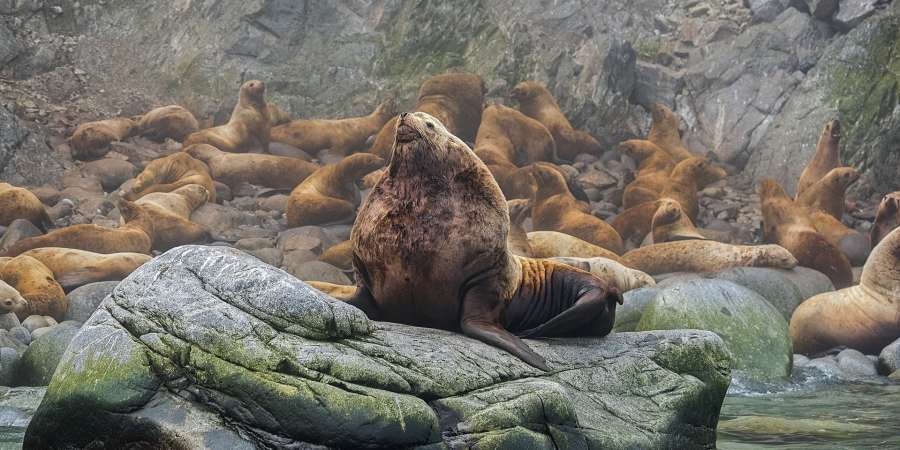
{"points": [[477, 323], [593, 313]]}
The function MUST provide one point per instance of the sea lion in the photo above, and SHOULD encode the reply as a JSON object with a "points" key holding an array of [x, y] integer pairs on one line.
{"points": [[73, 268], [886, 219], [624, 278], [10, 299], [181, 202], [35, 282], [277, 172], [517, 240], [342, 136], [826, 158], [827, 194], [277, 116], [853, 244], [554, 208], [455, 99], [20, 203], [339, 255], [863, 317], [535, 101], [170, 173], [91, 140], [166, 229], [550, 244], [167, 122], [670, 224], [248, 129], [664, 132], [788, 225], [705, 256], [430, 250], [654, 167], [330, 194]]}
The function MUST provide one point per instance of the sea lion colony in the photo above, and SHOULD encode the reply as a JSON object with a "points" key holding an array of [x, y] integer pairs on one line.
{"points": [[424, 192]]}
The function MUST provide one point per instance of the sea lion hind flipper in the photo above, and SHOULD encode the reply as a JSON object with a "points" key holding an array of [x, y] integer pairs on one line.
{"points": [[496, 335], [592, 315]]}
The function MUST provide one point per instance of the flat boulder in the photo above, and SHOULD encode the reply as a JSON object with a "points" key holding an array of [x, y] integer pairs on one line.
{"points": [[207, 347]]}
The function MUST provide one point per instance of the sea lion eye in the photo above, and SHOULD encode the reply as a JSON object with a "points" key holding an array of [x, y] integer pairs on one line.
{"points": [[429, 125]]}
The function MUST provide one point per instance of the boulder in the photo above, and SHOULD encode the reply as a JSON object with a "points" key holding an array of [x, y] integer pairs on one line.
{"points": [[9, 361], [16, 231], [634, 303], [40, 360], [852, 12], [35, 322], [855, 363], [84, 300], [889, 358], [766, 10], [186, 354], [755, 332], [9, 320], [20, 334]]}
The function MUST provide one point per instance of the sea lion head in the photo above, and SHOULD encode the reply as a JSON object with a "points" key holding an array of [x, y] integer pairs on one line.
{"points": [[387, 108], [886, 219], [253, 91], [832, 130], [424, 144], [195, 193], [669, 212], [842, 177], [548, 179], [638, 149], [10, 299], [527, 91], [661, 113]]}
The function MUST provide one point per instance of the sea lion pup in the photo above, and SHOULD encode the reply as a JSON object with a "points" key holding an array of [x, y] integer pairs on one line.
{"points": [[828, 193], [455, 99], [654, 167], [670, 224], [863, 317], [330, 194], [853, 244], [91, 140], [826, 158], [550, 244], [342, 136], [167, 122], [554, 208], [35, 282], [277, 116], [507, 140], [73, 268], [247, 130], [788, 225], [181, 202], [20, 203], [886, 219], [170, 173], [430, 250], [277, 172], [624, 278], [664, 132], [10, 299], [517, 240], [535, 101], [705, 256]]}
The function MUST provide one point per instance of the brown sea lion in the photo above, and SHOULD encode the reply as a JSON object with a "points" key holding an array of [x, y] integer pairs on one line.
{"points": [[330, 194], [181, 202], [20, 203], [168, 122], [853, 244], [248, 129], [705, 256], [430, 250], [166, 229], [864, 317], [670, 224], [10, 299], [788, 225], [455, 99], [342, 136], [170, 173], [277, 172], [654, 167], [517, 240], [35, 282], [826, 158], [551, 244], [91, 140], [339, 255], [535, 101], [827, 194], [886, 219], [664, 132], [277, 116], [73, 268]]}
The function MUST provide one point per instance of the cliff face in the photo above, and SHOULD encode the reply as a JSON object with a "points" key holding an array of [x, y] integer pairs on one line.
{"points": [[753, 80]]}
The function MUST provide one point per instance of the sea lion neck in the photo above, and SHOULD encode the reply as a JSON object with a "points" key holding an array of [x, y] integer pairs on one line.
{"points": [[881, 273]]}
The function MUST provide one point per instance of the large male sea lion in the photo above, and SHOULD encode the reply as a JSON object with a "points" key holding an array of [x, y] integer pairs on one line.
{"points": [[248, 129], [535, 101], [865, 317], [35, 282], [20, 203], [430, 250], [826, 158], [11, 301], [555, 209], [91, 140], [827, 194], [170, 173], [330, 194], [232, 169], [664, 132], [886, 219], [341, 136], [73, 268], [705, 256], [167, 122]]}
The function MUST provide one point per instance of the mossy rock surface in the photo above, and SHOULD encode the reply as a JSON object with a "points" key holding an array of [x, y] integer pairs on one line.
{"points": [[37, 364]]}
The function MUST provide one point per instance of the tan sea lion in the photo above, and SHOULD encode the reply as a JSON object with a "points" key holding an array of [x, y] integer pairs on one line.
{"points": [[91, 140], [670, 224], [181, 202], [886, 219], [168, 122], [654, 167], [705, 256], [826, 158], [517, 240], [20, 203], [827, 194], [430, 250], [339, 255], [330, 194], [455, 99], [550, 244], [342, 136], [864, 317], [277, 116], [166, 229], [247, 130], [624, 278], [277, 172], [853, 244], [338, 291], [554, 208], [535, 101], [73, 268], [10, 299], [35, 282], [788, 225], [170, 173], [664, 133]]}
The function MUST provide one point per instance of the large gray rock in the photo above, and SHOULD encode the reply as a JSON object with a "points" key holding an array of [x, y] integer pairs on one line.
{"points": [[853, 12], [889, 358], [9, 45], [255, 356], [12, 133], [84, 300]]}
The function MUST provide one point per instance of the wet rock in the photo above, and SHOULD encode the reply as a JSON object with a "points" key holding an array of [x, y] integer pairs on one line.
{"points": [[800, 360], [381, 386], [34, 322], [17, 406], [16, 231], [889, 358], [9, 360], [854, 363], [826, 366], [111, 172], [39, 362], [84, 300]]}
